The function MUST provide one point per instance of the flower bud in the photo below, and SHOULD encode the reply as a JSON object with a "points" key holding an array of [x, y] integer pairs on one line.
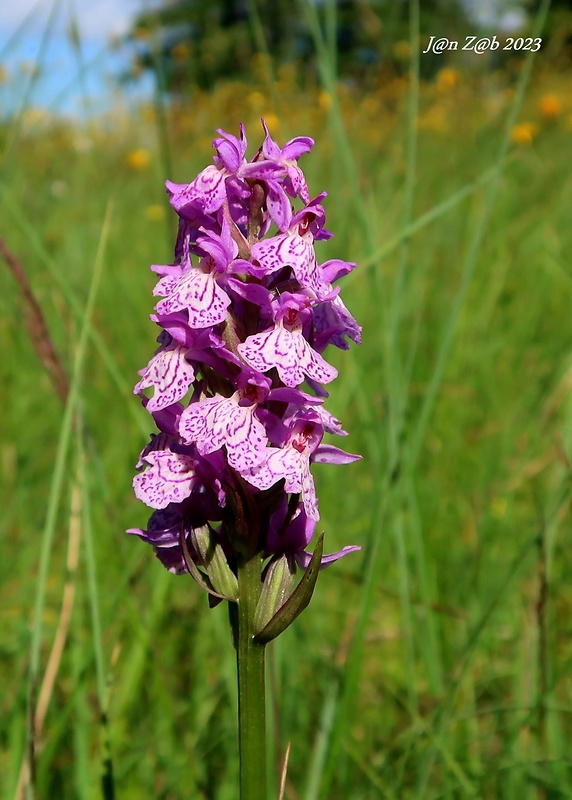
{"points": [[214, 562], [278, 585]]}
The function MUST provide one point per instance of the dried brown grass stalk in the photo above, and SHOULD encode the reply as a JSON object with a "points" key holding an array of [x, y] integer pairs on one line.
{"points": [[38, 332], [61, 635]]}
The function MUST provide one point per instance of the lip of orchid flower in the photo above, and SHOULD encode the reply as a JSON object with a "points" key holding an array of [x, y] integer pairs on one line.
{"points": [[196, 292], [292, 250], [200, 290], [284, 346], [292, 462], [170, 374], [231, 422], [168, 478]]}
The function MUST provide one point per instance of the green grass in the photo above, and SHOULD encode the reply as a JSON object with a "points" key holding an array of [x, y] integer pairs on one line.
{"points": [[436, 663]]}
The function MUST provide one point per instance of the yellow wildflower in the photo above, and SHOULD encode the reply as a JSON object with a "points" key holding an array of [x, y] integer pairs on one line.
{"points": [[370, 105], [256, 100], [325, 100], [402, 50], [447, 78], [155, 213], [498, 507], [524, 132], [138, 159], [434, 119], [550, 106], [272, 121]]}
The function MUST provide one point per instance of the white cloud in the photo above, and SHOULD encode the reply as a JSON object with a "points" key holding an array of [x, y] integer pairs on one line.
{"points": [[505, 16], [99, 19], [12, 16]]}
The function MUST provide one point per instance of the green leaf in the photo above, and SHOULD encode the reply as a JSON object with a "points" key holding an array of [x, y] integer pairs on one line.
{"points": [[277, 587], [297, 601]]}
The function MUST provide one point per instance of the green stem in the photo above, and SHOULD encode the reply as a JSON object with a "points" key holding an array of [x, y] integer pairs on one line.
{"points": [[251, 694]]}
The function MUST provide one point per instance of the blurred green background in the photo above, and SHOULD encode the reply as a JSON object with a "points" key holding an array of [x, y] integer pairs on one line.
{"points": [[436, 662]]}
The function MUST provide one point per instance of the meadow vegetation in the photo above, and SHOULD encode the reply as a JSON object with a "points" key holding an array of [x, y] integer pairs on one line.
{"points": [[435, 663]]}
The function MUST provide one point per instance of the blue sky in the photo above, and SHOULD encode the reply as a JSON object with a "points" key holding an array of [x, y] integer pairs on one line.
{"points": [[23, 25]]}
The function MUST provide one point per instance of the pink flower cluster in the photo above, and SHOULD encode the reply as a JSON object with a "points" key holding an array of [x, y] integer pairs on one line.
{"points": [[246, 312]]}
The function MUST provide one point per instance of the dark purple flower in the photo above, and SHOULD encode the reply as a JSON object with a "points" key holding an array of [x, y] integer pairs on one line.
{"points": [[291, 533], [163, 533]]}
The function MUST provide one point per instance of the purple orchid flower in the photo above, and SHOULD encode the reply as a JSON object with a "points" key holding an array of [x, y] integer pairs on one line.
{"points": [[245, 312], [295, 249], [169, 478], [170, 374]]}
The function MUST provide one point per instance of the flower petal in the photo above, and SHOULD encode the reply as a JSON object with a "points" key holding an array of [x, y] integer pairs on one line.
{"points": [[278, 205], [289, 352], [294, 467], [219, 421], [201, 296], [330, 454], [170, 374], [303, 558], [291, 250], [168, 478], [207, 193]]}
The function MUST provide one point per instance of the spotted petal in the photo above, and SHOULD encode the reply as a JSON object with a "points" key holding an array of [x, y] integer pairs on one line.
{"points": [[168, 478], [207, 192], [290, 250], [289, 352], [294, 467], [198, 293], [278, 205], [219, 421], [170, 374]]}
